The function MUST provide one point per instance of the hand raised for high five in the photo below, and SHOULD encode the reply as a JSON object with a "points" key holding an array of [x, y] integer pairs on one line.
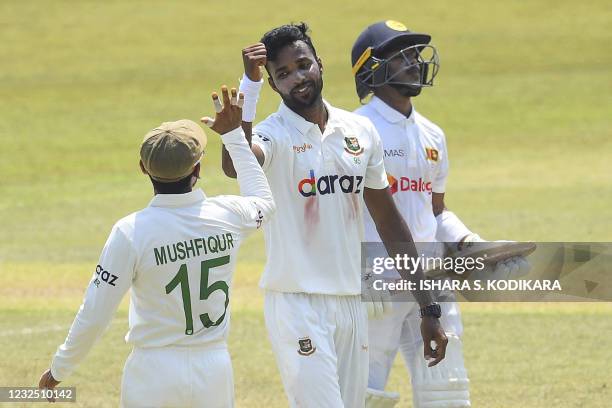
{"points": [[254, 57], [229, 114]]}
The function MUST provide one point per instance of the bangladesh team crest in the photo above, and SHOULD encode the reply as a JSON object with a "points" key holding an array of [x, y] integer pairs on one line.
{"points": [[306, 347], [352, 146]]}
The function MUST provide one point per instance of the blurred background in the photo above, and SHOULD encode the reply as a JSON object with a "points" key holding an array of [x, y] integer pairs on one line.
{"points": [[523, 95]]}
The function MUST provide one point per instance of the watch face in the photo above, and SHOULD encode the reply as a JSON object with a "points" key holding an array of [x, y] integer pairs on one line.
{"points": [[437, 311]]}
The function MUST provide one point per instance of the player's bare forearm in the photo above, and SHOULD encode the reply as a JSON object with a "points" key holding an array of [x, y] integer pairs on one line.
{"points": [[227, 164], [254, 58], [226, 160], [395, 235], [437, 203], [398, 241]]}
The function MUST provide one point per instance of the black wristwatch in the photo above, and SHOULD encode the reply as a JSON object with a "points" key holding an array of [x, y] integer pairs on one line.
{"points": [[433, 310]]}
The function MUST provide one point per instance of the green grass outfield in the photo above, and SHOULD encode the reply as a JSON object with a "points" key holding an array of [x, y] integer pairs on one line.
{"points": [[524, 96]]}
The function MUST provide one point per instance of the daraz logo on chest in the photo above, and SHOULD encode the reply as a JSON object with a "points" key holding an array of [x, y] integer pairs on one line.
{"points": [[329, 184]]}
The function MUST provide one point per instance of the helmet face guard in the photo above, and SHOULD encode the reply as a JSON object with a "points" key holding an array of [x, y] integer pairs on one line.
{"points": [[409, 69]]}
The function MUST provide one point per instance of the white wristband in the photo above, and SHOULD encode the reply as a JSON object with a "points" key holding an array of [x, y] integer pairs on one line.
{"points": [[450, 228], [251, 90]]}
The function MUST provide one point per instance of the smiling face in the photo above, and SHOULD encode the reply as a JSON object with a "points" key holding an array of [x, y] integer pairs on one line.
{"points": [[296, 74]]}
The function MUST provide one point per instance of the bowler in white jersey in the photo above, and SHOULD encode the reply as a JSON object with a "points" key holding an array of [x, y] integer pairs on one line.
{"points": [[325, 165], [177, 256], [394, 64]]}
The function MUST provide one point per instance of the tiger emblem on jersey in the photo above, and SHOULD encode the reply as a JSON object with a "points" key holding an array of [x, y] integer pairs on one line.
{"points": [[306, 347], [352, 146]]}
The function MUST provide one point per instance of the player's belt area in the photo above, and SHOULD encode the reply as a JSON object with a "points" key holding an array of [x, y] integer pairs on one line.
{"points": [[205, 346], [490, 252]]}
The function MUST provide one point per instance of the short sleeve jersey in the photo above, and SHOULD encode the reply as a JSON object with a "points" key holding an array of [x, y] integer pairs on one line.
{"points": [[313, 243], [416, 160]]}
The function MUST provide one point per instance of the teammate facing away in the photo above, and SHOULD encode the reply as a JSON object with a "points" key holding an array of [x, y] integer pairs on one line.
{"points": [[177, 255], [395, 64], [323, 165]]}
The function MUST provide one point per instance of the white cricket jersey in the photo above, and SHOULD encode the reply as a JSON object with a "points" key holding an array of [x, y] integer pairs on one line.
{"points": [[416, 161], [313, 244], [178, 256]]}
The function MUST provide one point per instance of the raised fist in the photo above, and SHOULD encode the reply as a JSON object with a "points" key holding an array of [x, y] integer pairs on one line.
{"points": [[254, 57]]}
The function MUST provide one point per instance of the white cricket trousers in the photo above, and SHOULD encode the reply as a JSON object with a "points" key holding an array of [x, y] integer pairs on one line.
{"points": [[178, 377], [321, 348], [401, 330]]}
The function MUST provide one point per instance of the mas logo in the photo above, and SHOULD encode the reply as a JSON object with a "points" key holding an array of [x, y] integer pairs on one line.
{"points": [[432, 154], [394, 153], [408, 184], [352, 146], [331, 184]]}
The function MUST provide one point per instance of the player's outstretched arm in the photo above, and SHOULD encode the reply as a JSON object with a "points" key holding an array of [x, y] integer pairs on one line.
{"points": [[398, 241], [254, 186], [111, 280], [226, 159], [253, 58]]}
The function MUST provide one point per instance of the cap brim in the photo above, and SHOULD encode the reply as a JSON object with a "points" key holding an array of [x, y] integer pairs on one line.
{"points": [[403, 40]]}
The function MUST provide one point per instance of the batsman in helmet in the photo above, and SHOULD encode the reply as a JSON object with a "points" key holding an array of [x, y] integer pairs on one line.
{"points": [[393, 65]]}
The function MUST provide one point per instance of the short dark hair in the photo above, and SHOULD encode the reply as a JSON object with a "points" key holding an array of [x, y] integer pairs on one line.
{"points": [[279, 37], [175, 187]]}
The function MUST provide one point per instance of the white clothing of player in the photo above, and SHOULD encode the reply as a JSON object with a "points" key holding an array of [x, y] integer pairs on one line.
{"points": [[177, 255], [313, 311], [416, 160]]}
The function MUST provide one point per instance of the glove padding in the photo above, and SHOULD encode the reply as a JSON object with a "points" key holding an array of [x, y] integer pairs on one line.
{"points": [[512, 268], [508, 269]]}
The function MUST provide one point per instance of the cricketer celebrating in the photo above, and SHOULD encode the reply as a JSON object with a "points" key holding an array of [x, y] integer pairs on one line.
{"points": [[394, 64], [322, 163], [178, 256]]}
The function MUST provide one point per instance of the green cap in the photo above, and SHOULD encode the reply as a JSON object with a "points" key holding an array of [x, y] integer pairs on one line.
{"points": [[170, 151]]}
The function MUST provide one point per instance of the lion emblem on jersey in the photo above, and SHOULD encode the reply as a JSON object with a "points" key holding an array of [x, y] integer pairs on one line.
{"points": [[306, 347], [352, 146]]}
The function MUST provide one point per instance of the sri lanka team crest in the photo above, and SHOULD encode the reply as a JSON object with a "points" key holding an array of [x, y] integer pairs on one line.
{"points": [[306, 347], [432, 154], [352, 146]]}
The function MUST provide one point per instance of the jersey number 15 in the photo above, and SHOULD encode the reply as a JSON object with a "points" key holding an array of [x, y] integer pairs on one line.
{"points": [[182, 278]]}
